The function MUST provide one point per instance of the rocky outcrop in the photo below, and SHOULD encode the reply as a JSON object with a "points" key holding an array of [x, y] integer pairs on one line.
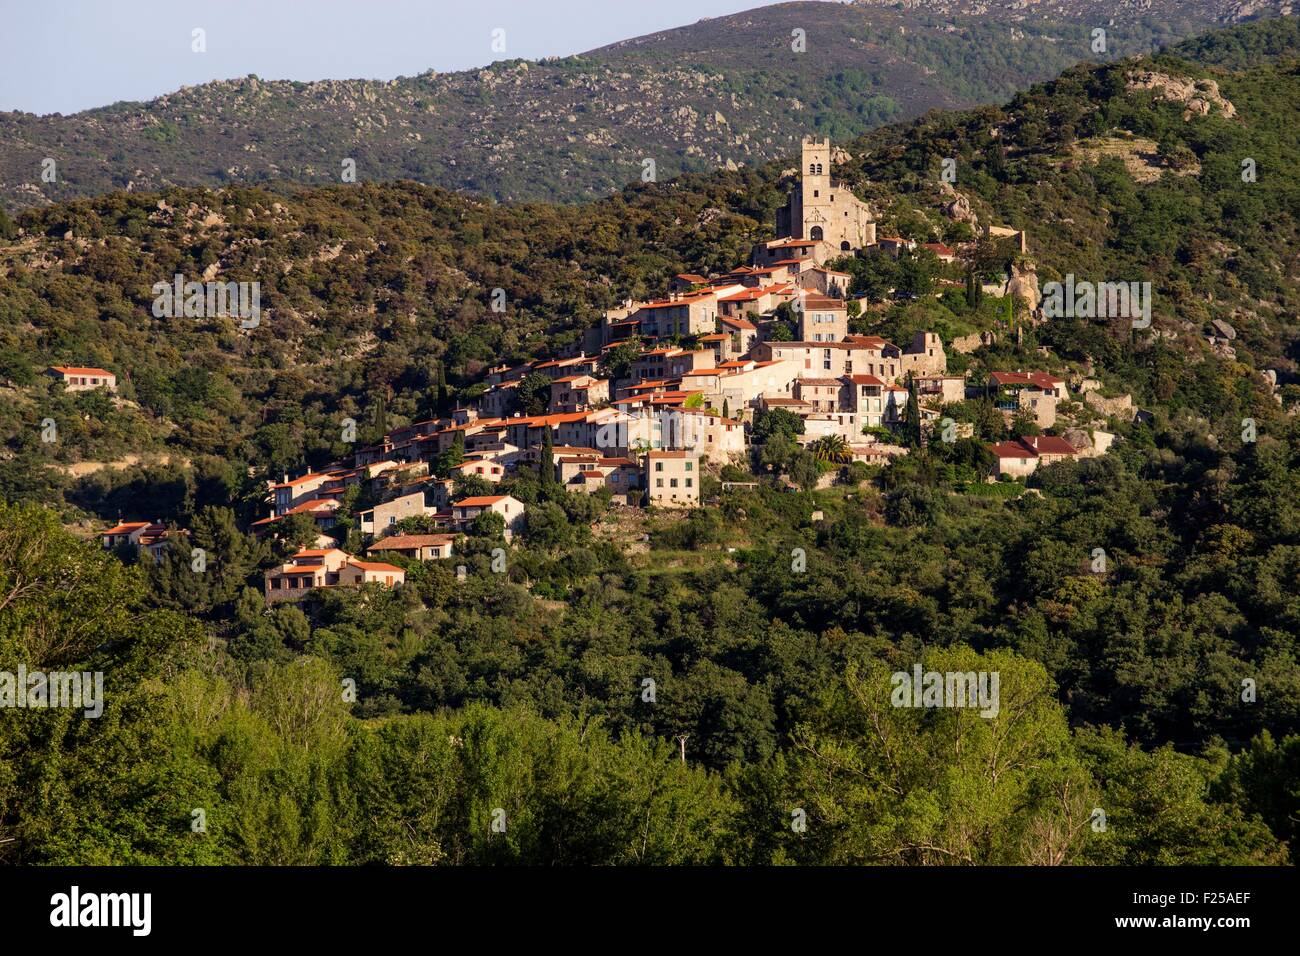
{"points": [[956, 206], [1120, 406], [1200, 97], [1224, 329], [1024, 283], [1091, 443]]}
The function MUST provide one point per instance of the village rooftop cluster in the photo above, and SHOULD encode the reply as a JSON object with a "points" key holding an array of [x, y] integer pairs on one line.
{"points": [[647, 433]]}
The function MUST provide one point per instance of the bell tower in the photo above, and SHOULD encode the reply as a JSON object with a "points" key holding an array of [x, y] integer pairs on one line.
{"points": [[823, 210], [816, 189]]}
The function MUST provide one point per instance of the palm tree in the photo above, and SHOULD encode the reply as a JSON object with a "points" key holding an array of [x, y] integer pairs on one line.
{"points": [[831, 448]]}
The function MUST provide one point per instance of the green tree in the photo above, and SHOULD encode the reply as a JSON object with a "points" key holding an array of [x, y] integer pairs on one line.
{"points": [[533, 394], [488, 524], [912, 417], [453, 456], [617, 362], [776, 421], [546, 464], [831, 448], [974, 289]]}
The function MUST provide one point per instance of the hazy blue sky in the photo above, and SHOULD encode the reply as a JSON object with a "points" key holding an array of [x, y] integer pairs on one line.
{"points": [[61, 56]]}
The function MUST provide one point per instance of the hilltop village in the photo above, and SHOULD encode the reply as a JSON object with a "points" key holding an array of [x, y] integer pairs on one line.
{"points": [[660, 394]]}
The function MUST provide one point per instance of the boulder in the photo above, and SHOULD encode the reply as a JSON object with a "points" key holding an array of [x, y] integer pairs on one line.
{"points": [[1224, 329], [1024, 283]]}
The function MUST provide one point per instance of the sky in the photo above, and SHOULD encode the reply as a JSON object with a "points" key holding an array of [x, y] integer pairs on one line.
{"points": [[62, 56]]}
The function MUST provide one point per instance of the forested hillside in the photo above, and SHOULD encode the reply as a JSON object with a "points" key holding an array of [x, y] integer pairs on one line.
{"points": [[1161, 687], [728, 90], [377, 298]]}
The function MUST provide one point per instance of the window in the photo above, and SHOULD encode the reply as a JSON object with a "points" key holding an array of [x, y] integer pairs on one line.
{"points": [[672, 482], [688, 482], [659, 482], [659, 466], [689, 464]]}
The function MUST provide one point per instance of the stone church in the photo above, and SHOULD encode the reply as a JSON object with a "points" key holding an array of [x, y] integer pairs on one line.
{"points": [[823, 210]]}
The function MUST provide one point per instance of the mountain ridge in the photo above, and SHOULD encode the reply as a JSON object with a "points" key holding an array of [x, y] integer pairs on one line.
{"points": [[725, 90]]}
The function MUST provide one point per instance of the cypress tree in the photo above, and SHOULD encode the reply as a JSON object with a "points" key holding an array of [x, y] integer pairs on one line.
{"points": [[974, 290], [913, 414], [547, 464]]}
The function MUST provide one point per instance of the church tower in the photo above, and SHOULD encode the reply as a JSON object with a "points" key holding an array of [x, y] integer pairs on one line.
{"points": [[817, 190], [823, 210]]}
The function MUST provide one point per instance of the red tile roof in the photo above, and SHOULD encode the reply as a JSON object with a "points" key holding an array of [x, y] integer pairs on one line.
{"points": [[686, 298], [1034, 446], [127, 527], [79, 370], [375, 566], [1050, 445], [814, 301], [310, 476], [744, 295], [828, 382], [1038, 379]]}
